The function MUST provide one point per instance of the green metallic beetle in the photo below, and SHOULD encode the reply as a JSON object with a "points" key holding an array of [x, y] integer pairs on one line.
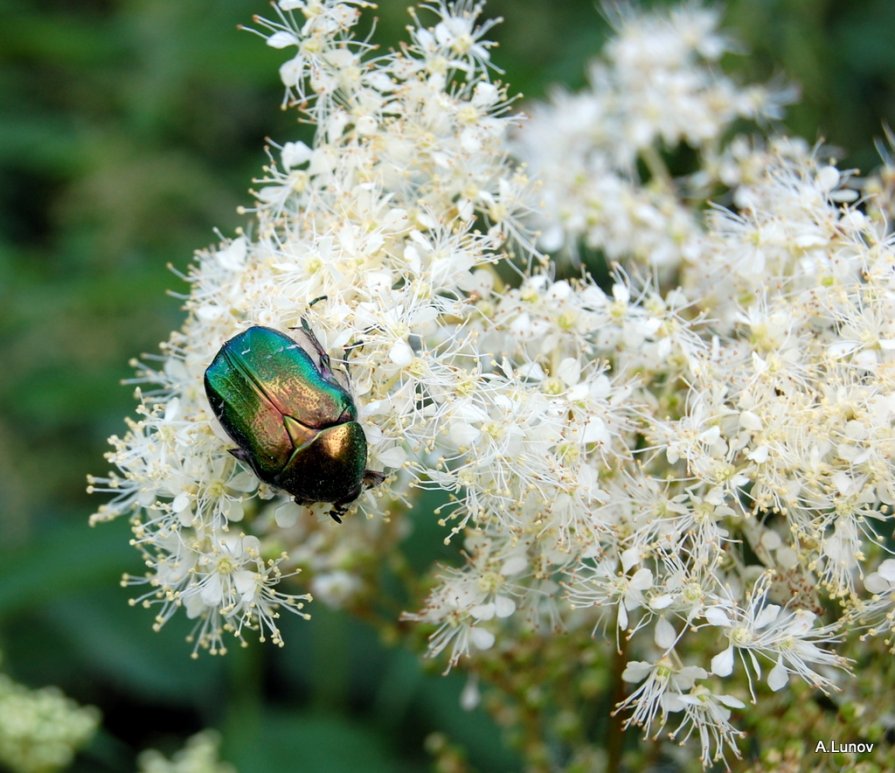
{"points": [[294, 422]]}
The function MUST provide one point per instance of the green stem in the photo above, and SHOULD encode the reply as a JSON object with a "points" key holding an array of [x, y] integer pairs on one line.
{"points": [[657, 167], [615, 741], [243, 709]]}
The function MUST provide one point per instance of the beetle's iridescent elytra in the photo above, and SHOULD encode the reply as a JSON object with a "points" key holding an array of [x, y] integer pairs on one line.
{"points": [[292, 418]]}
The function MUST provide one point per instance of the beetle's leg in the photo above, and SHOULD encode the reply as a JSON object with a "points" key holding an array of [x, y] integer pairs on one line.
{"points": [[241, 455], [340, 508], [346, 352], [317, 300], [325, 368], [358, 344], [336, 513], [372, 478], [246, 458]]}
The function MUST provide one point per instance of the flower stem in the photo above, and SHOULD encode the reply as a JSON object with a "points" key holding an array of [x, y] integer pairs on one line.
{"points": [[657, 167], [615, 733]]}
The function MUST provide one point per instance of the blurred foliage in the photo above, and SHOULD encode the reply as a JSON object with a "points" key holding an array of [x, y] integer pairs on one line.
{"points": [[129, 130]]}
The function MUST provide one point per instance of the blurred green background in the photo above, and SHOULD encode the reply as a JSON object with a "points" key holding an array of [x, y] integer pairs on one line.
{"points": [[129, 130]]}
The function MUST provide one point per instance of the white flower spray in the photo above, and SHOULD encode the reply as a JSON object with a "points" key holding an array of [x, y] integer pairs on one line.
{"points": [[695, 471], [41, 730], [599, 152]]}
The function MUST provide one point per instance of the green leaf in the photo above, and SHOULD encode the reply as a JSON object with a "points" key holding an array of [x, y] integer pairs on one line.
{"points": [[310, 743], [116, 641], [64, 562]]}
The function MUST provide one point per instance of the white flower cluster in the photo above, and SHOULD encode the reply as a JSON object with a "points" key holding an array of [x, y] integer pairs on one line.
{"points": [[41, 730], [598, 153], [382, 219], [199, 755], [706, 470]]}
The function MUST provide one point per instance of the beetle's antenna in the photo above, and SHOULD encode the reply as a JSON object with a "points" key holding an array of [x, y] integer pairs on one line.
{"points": [[317, 300]]}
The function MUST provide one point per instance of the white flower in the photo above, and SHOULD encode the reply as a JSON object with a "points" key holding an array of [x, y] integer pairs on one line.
{"points": [[603, 585], [788, 638], [708, 715], [320, 56], [457, 40], [466, 602], [661, 686]]}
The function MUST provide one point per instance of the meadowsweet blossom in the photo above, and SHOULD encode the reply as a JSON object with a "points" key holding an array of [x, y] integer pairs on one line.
{"points": [[786, 637], [699, 462], [379, 219], [656, 87], [41, 730], [199, 755], [665, 688]]}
